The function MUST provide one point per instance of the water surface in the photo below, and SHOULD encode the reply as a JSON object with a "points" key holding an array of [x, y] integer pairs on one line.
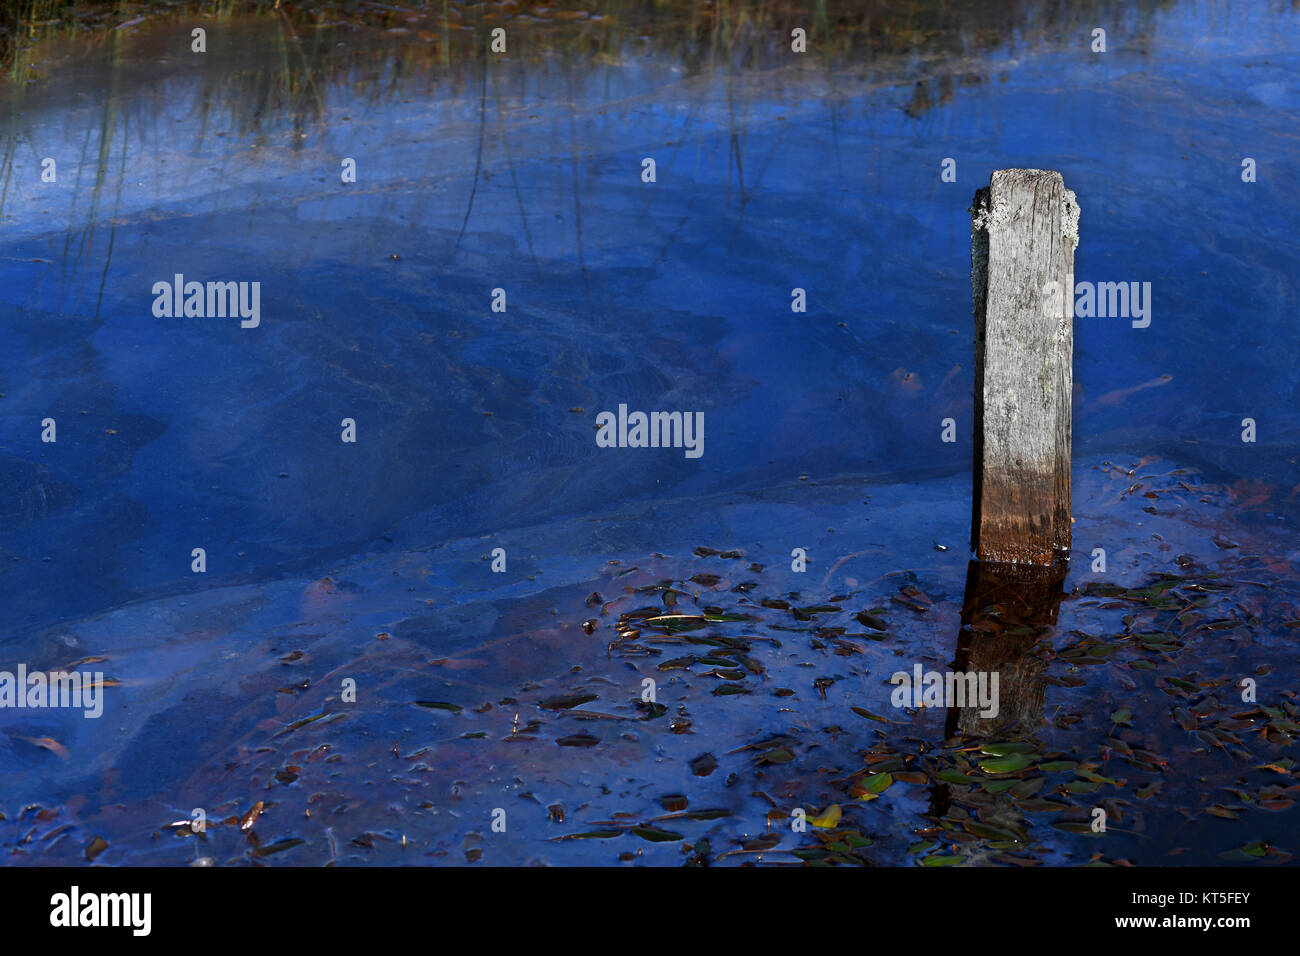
{"points": [[476, 430]]}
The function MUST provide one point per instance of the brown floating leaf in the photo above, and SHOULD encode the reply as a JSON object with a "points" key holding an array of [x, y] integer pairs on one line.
{"points": [[655, 834], [277, 847], [564, 702], [704, 764], [96, 847], [251, 816]]}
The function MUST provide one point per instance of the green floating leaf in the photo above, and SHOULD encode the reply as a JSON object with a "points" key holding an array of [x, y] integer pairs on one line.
{"points": [[1020, 789], [856, 840], [440, 705], [1076, 826], [812, 855], [943, 860], [676, 623], [1055, 766], [776, 755], [955, 776], [1122, 716], [871, 786], [1008, 764], [1096, 777], [1011, 747]]}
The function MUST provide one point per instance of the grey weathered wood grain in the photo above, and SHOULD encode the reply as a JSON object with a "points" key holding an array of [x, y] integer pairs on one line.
{"points": [[1023, 234]]}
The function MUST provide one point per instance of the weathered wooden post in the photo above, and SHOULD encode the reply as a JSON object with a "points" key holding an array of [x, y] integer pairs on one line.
{"points": [[1024, 230], [1023, 234]]}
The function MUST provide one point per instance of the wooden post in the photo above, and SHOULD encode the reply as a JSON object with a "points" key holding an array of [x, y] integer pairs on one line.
{"points": [[1023, 234]]}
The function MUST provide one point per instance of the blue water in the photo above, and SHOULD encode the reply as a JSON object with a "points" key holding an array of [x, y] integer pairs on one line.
{"points": [[476, 428]]}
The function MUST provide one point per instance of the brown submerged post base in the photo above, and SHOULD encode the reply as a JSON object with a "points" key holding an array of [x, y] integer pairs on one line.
{"points": [[1024, 231], [1007, 610]]}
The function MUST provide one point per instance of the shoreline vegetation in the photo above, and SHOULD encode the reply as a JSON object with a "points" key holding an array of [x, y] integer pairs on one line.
{"points": [[739, 34]]}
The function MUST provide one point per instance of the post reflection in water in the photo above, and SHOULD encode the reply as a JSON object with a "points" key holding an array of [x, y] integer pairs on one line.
{"points": [[1007, 610]]}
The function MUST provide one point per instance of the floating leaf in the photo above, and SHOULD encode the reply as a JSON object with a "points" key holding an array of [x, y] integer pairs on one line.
{"points": [[656, 835], [1012, 747], [1096, 777], [1076, 826], [991, 832], [565, 702], [277, 847], [871, 786], [1042, 805], [704, 764], [439, 705], [955, 776], [776, 755], [863, 712], [829, 818], [95, 847], [1008, 764], [812, 855], [606, 834]]}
